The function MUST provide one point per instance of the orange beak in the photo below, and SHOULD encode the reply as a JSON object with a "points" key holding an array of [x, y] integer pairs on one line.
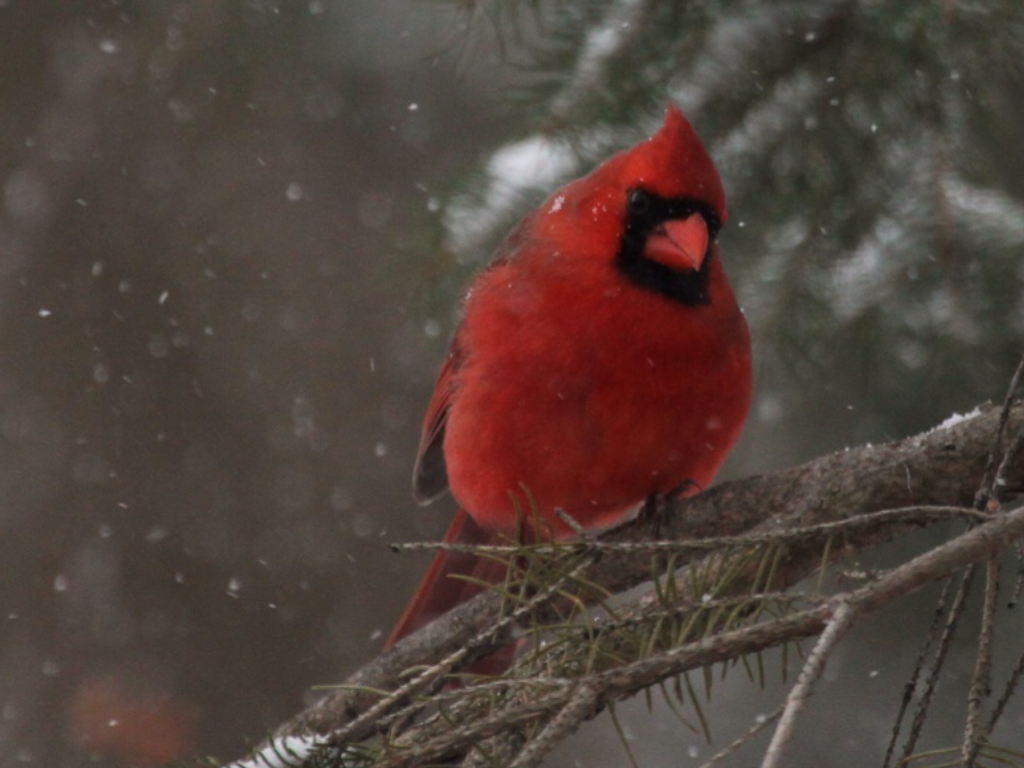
{"points": [[679, 244]]}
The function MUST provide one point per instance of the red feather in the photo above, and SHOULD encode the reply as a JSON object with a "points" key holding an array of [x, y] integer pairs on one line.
{"points": [[430, 479], [601, 358]]}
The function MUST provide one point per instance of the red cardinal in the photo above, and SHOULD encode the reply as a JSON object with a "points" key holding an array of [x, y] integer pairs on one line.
{"points": [[601, 359]]}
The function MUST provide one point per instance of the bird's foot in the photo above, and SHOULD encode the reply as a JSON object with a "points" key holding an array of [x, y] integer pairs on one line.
{"points": [[659, 506]]}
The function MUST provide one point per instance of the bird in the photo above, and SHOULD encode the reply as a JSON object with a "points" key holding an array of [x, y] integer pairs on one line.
{"points": [[601, 359]]}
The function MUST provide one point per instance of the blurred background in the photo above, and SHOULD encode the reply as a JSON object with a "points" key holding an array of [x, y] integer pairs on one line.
{"points": [[233, 235]]}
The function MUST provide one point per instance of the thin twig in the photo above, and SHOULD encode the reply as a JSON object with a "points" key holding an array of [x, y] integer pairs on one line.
{"points": [[981, 680], [577, 709], [910, 515], [1008, 691], [915, 675], [534, 688], [755, 729], [1018, 582], [842, 619], [948, 632], [441, 738]]}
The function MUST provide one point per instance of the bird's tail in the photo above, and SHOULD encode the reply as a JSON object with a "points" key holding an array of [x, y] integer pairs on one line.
{"points": [[442, 589]]}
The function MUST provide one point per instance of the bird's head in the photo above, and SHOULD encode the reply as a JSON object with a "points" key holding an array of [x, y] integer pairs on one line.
{"points": [[653, 210]]}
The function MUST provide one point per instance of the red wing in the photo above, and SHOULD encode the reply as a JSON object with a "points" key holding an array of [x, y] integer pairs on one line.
{"points": [[430, 476]]}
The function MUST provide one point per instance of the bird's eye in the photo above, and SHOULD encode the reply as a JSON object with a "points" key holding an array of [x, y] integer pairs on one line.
{"points": [[638, 202]]}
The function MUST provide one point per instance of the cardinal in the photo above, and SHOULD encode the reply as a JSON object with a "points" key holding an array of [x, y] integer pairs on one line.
{"points": [[601, 359]]}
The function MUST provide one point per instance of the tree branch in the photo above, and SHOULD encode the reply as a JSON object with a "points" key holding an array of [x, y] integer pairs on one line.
{"points": [[552, 706], [943, 467]]}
